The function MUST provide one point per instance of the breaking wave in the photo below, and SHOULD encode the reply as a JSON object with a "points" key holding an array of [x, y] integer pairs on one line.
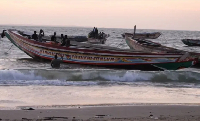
{"points": [[96, 77]]}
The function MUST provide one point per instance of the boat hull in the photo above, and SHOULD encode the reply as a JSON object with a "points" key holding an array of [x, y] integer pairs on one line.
{"points": [[149, 46], [156, 48], [191, 42], [96, 41], [97, 57]]}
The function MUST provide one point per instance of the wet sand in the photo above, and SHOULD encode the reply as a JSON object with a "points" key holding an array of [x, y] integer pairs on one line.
{"points": [[106, 113]]}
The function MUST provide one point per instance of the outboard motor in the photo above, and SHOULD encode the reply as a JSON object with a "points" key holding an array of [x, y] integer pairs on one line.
{"points": [[3, 34]]}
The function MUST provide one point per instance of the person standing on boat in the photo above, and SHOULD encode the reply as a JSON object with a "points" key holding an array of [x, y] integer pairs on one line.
{"points": [[96, 33], [55, 63], [35, 36], [93, 32], [41, 34], [53, 38], [94, 29]]}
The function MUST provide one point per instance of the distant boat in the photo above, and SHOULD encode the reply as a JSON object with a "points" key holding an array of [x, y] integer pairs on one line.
{"points": [[97, 55], [100, 39], [191, 42], [153, 35]]}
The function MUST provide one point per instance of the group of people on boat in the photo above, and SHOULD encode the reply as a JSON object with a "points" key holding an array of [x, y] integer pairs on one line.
{"points": [[95, 34], [64, 39]]}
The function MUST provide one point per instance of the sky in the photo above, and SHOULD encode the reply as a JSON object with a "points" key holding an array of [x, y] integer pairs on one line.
{"points": [[146, 14]]}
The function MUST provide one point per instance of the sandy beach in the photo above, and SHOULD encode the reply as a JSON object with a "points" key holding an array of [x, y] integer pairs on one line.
{"points": [[107, 113]]}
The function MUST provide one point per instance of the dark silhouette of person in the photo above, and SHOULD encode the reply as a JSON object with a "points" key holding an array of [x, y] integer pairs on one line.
{"points": [[55, 63], [94, 29], [96, 32], [61, 36], [41, 34], [92, 33], [3, 33], [53, 38], [101, 35], [63, 42], [35, 36], [68, 42]]}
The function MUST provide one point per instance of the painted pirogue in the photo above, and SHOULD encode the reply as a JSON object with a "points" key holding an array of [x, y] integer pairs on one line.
{"points": [[149, 46], [99, 55]]}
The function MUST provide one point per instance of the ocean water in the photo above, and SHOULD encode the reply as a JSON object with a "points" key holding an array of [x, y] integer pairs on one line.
{"points": [[27, 82]]}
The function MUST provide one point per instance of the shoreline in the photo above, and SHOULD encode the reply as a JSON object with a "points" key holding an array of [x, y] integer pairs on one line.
{"points": [[74, 106], [107, 113]]}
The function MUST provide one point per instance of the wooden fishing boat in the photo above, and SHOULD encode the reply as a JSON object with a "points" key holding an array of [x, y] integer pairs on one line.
{"points": [[101, 39], [149, 46], [153, 35], [191, 42], [99, 55]]}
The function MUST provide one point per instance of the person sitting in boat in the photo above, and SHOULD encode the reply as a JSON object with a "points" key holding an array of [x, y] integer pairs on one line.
{"points": [[61, 37], [53, 38], [41, 34], [63, 42], [101, 35], [55, 63], [68, 41], [35, 36]]}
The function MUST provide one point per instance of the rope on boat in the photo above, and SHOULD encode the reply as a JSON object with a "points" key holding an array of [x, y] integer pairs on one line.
{"points": [[8, 50]]}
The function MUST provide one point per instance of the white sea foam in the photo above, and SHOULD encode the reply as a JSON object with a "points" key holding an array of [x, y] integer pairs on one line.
{"points": [[94, 77]]}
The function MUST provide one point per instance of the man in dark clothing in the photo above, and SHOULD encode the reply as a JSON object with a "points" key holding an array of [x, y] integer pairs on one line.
{"points": [[96, 33], [35, 36], [3, 34], [53, 38], [63, 42], [61, 36], [68, 41], [55, 63], [41, 34]]}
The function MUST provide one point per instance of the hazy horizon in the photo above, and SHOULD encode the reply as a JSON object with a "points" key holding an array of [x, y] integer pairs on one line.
{"points": [[146, 14]]}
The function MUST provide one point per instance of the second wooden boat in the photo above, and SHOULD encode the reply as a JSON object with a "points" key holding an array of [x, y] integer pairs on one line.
{"points": [[149, 46]]}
